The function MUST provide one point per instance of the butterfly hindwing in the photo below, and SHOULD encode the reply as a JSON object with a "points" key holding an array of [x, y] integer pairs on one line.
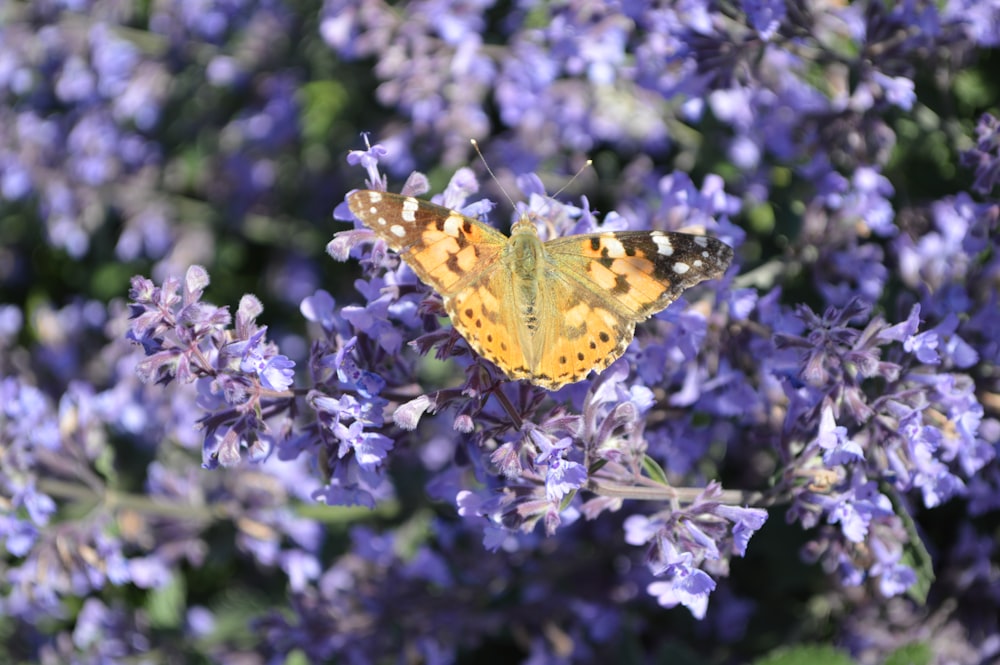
{"points": [[459, 258], [584, 332], [579, 331], [600, 285], [482, 313]]}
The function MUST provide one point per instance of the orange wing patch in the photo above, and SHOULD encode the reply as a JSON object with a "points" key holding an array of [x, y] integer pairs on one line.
{"points": [[481, 313], [588, 338]]}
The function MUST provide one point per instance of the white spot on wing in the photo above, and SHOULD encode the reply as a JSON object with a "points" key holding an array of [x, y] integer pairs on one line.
{"points": [[452, 225], [381, 221], [663, 245], [374, 197], [397, 230], [681, 268], [701, 241], [613, 245], [410, 206]]}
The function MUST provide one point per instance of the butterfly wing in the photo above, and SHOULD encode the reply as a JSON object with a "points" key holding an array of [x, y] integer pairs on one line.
{"points": [[459, 258], [445, 248], [484, 313], [584, 331], [641, 272], [599, 285]]}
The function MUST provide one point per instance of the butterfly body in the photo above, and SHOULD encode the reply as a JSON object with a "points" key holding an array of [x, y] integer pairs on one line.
{"points": [[548, 312]]}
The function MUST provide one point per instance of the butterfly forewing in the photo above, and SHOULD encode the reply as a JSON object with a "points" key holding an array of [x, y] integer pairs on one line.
{"points": [[642, 271], [441, 245]]}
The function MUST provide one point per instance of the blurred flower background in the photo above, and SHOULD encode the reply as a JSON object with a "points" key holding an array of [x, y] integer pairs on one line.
{"points": [[227, 435]]}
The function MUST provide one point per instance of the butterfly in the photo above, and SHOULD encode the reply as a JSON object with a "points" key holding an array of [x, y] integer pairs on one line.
{"points": [[549, 312]]}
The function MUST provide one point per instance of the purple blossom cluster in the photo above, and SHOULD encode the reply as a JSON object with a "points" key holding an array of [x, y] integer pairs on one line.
{"points": [[76, 101], [87, 120], [369, 489]]}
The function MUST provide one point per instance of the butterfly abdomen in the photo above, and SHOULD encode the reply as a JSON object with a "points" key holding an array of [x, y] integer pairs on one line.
{"points": [[528, 260]]}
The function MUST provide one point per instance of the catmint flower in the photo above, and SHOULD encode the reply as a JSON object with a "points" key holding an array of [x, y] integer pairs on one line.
{"points": [[275, 372], [985, 157], [837, 447]]}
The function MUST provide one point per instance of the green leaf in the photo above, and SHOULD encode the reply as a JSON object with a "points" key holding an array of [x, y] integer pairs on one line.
{"points": [[166, 604], [915, 554], [817, 654], [915, 653], [297, 657], [322, 105], [973, 89], [568, 499], [762, 218], [597, 466], [654, 470]]}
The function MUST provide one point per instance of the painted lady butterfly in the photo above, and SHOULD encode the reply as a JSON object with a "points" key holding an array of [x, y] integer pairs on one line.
{"points": [[549, 312]]}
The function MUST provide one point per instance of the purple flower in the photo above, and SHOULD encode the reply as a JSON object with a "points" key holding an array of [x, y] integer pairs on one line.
{"points": [[549, 451], [639, 529], [868, 200], [746, 522], [370, 448], [844, 368], [894, 577], [562, 477], [275, 371], [320, 308], [855, 509], [837, 447], [985, 157], [765, 16], [689, 587], [898, 90]]}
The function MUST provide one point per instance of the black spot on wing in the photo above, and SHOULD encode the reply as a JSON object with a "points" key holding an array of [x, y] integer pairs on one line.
{"points": [[621, 285]]}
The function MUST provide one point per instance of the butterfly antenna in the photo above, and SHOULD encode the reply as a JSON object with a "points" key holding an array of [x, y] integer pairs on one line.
{"points": [[586, 165], [552, 197], [475, 145]]}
